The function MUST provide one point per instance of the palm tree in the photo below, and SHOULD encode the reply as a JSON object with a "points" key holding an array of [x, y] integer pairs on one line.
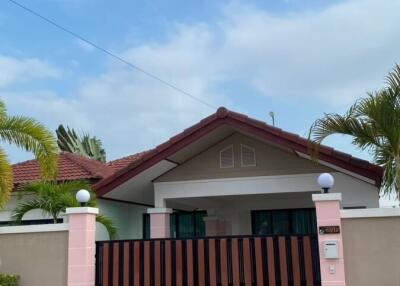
{"points": [[84, 145], [53, 199], [29, 135], [374, 124]]}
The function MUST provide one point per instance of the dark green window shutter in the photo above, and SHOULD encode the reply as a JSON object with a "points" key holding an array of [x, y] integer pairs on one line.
{"points": [[282, 222]]}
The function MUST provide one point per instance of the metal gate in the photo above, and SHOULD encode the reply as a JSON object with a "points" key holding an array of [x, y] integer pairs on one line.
{"points": [[233, 260]]}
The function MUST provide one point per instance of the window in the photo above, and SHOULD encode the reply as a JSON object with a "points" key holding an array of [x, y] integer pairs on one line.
{"points": [[188, 224], [248, 155], [183, 224], [30, 222], [226, 159], [282, 222]]}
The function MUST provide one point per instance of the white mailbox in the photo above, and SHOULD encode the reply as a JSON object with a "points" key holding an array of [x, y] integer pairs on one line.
{"points": [[331, 249]]}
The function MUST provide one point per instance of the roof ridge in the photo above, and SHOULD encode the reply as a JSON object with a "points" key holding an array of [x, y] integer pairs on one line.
{"points": [[72, 158], [127, 157], [24, 162], [280, 130], [84, 162], [242, 121]]}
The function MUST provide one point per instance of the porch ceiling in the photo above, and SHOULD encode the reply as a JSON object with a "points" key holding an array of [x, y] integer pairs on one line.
{"points": [[233, 204], [139, 189]]}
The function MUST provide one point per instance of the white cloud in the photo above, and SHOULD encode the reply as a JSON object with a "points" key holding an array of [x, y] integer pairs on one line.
{"points": [[333, 55], [15, 70]]}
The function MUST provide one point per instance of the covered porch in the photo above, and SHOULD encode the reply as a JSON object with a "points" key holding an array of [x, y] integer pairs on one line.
{"points": [[261, 214], [274, 205]]}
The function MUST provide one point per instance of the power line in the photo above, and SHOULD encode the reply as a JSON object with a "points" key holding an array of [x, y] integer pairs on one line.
{"points": [[155, 77]]}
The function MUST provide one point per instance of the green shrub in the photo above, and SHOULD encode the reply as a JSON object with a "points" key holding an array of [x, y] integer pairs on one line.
{"points": [[8, 280]]}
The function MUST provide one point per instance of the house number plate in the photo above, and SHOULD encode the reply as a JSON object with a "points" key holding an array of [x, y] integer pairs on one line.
{"points": [[331, 229]]}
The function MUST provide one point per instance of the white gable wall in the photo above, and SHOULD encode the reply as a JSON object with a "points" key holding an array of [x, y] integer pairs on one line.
{"points": [[270, 161]]}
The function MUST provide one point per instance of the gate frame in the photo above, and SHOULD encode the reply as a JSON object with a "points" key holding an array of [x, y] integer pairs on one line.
{"points": [[118, 263]]}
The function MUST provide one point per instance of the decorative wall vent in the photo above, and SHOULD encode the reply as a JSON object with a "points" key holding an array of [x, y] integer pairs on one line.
{"points": [[226, 159], [248, 155]]}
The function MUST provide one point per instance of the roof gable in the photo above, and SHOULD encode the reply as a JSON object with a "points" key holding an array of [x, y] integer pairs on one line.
{"points": [[270, 161], [246, 125]]}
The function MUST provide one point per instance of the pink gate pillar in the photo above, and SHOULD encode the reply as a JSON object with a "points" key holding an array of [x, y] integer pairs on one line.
{"points": [[328, 214], [159, 222], [81, 246]]}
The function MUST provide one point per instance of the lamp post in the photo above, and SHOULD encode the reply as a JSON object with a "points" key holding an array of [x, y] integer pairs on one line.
{"points": [[82, 196], [326, 181]]}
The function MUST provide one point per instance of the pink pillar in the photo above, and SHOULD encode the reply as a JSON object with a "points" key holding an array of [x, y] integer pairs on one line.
{"points": [[81, 246], [330, 232], [159, 222]]}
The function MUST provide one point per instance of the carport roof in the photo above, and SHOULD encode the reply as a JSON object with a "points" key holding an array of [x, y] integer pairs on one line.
{"points": [[243, 123]]}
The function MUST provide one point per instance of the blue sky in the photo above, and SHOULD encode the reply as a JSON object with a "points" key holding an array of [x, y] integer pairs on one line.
{"points": [[296, 58]]}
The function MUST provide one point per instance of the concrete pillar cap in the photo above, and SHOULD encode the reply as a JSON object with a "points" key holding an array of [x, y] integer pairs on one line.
{"points": [[82, 210], [327, 197], [160, 211]]}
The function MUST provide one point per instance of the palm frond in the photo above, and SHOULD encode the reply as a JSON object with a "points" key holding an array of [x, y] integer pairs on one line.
{"points": [[31, 136], [3, 109], [53, 198], [374, 124], [91, 147], [6, 178], [22, 208], [393, 78], [109, 225]]}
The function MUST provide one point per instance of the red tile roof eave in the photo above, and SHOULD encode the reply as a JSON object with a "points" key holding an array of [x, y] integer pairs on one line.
{"points": [[325, 153], [71, 167], [246, 124], [123, 162]]}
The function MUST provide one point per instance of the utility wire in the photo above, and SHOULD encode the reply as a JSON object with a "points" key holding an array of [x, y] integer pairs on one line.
{"points": [[155, 77]]}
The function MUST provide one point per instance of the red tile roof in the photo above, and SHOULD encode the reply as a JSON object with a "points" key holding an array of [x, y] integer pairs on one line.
{"points": [[246, 124], [70, 167], [125, 161]]}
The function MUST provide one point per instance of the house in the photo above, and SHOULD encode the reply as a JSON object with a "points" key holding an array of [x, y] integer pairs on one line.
{"points": [[239, 176], [226, 175]]}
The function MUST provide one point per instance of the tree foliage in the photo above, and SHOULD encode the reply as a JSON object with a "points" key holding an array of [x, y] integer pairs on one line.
{"points": [[54, 198], [29, 135], [91, 147], [374, 124]]}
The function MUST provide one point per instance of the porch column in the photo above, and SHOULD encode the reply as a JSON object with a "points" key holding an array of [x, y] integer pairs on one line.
{"points": [[81, 246], [159, 222], [330, 233]]}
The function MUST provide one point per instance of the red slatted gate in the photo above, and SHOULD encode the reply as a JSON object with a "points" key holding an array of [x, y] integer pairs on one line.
{"points": [[244, 260]]}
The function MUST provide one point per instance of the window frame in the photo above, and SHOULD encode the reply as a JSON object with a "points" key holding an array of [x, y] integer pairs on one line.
{"points": [[241, 156], [290, 212], [233, 157], [6, 223]]}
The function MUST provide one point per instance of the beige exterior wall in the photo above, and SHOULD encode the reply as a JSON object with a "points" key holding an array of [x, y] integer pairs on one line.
{"points": [[271, 161], [39, 258], [372, 251]]}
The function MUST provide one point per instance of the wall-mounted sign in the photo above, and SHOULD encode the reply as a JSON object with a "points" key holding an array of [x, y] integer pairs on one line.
{"points": [[330, 229]]}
